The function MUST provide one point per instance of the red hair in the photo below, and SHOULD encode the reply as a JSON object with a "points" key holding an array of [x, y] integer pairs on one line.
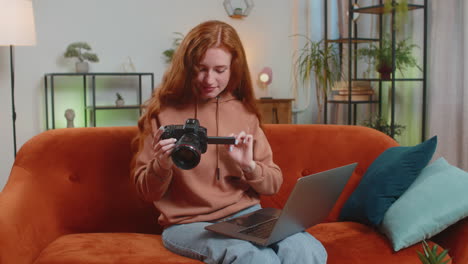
{"points": [[178, 84]]}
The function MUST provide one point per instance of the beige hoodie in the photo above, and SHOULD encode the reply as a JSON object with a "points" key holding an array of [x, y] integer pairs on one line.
{"points": [[186, 196]]}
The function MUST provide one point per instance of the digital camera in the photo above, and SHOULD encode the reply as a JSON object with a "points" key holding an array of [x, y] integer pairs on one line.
{"points": [[191, 142]]}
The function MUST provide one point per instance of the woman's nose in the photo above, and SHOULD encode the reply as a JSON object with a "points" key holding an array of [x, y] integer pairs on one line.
{"points": [[209, 78]]}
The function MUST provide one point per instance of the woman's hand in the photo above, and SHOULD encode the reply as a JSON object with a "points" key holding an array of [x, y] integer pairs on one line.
{"points": [[162, 149], [242, 151]]}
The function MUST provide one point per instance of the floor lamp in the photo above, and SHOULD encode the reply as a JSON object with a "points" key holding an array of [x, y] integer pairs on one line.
{"points": [[16, 29]]}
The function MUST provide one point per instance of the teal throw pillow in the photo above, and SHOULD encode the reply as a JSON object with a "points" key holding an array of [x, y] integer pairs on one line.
{"points": [[386, 179], [436, 200]]}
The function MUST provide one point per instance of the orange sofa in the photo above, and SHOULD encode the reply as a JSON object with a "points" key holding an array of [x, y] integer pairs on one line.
{"points": [[69, 198]]}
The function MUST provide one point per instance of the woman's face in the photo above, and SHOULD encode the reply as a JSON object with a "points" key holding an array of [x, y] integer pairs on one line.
{"points": [[214, 72]]}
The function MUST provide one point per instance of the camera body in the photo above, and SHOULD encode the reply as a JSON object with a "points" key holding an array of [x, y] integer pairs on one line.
{"points": [[190, 129], [192, 141]]}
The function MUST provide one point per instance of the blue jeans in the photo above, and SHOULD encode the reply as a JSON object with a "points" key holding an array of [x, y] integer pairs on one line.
{"points": [[193, 241]]}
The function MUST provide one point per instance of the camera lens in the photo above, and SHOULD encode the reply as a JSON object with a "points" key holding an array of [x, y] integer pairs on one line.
{"points": [[186, 154]]}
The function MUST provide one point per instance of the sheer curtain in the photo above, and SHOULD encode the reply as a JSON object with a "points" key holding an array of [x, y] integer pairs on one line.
{"points": [[447, 86], [448, 80]]}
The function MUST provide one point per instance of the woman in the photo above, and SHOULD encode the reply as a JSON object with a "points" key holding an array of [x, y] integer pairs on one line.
{"points": [[209, 80]]}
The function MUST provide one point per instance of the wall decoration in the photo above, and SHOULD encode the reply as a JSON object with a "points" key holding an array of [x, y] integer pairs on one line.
{"points": [[128, 66], [238, 11]]}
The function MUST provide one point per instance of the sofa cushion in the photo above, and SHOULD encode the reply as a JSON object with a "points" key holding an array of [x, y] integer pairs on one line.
{"points": [[386, 179], [439, 194], [355, 243], [115, 248]]}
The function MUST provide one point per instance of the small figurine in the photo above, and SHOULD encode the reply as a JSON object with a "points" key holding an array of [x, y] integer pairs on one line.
{"points": [[70, 116]]}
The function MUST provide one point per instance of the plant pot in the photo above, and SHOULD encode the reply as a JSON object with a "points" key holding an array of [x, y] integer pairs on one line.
{"points": [[385, 72], [82, 67], [119, 102]]}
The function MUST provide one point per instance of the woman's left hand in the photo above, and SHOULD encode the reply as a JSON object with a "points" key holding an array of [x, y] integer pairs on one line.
{"points": [[242, 151]]}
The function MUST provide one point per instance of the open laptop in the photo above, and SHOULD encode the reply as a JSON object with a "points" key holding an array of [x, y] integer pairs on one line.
{"points": [[309, 203]]}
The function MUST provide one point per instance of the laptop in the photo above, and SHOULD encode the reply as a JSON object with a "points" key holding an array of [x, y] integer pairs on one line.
{"points": [[309, 203]]}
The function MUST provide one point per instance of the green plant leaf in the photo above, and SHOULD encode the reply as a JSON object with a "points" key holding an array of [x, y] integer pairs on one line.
{"points": [[441, 256], [381, 54], [76, 49], [423, 258], [169, 53], [90, 57], [379, 123], [79, 45], [431, 256]]}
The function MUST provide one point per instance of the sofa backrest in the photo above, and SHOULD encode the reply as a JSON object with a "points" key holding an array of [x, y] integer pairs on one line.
{"points": [[80, 177], [300, 150]]}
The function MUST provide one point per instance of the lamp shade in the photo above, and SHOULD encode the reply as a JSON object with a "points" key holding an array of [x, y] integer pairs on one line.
{"points": [[17, 23]]}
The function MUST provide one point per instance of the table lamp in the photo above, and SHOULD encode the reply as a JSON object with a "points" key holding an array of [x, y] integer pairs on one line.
{"points": [[16, 29], [265, 76]]}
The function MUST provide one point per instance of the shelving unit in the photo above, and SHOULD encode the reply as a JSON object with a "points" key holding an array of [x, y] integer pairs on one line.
{"points": [[352, 43], [92, 107]]}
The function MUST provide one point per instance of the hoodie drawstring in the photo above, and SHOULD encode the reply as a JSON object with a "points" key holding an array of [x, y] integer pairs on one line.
{"points": [[217, 172], [217, 134]]}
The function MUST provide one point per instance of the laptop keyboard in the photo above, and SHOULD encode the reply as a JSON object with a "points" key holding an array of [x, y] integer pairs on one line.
{"points": [[262, 230]]}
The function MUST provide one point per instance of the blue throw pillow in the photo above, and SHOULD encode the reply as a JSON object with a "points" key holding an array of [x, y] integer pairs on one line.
{"points": [[436, 200], [386, 179]]}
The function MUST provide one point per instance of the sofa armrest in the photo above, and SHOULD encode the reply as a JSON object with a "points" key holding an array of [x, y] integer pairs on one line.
{"points": [[74, 180], [26, 223], [455, 240]]}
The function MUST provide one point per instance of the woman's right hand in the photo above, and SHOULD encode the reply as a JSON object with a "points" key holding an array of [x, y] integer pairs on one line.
{"points": [[162, 149]]}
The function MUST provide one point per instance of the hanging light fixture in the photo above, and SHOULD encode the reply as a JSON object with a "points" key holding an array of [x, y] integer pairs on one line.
{"points": [[238, 11]]}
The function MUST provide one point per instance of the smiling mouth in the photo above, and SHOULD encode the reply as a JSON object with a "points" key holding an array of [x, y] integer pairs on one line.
{"points": [[208, 89]]}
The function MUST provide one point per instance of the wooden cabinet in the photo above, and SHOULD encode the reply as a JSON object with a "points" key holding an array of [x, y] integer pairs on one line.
{"points": [[275, 111]]}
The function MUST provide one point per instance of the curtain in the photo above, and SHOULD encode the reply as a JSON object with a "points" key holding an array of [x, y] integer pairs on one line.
{"points": [[447, 76], [448, 80]]}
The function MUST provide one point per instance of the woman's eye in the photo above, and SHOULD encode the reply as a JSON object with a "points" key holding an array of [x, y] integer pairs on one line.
{"points": [[221, 69]]}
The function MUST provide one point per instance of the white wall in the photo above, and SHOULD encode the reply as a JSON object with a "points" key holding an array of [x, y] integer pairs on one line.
{"points": [[141, 29]]}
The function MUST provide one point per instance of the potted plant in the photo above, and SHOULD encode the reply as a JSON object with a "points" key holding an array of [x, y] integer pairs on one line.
{"points": [[80, 50], [321, 60], [430, 255], [120, 101], [175, 43], [380, 124], [381, 56]]}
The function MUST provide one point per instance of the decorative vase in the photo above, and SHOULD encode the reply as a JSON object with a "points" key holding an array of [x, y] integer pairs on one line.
{"points": [[82, 67], [119, 102]]}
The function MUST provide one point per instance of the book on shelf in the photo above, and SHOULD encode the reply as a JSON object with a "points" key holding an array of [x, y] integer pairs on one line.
{"points": [[354, 97], [346, 92], [355, 85]]}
